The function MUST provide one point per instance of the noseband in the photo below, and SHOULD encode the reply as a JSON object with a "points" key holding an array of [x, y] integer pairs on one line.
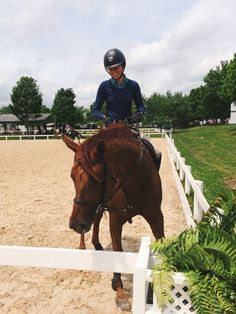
{"points": [[102, 204]]}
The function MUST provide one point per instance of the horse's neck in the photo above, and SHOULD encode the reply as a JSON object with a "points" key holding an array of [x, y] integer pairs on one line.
{"points": [[122, 157]]}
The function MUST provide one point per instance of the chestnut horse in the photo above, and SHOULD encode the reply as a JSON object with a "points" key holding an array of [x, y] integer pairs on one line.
{"points": [[113, 171]]}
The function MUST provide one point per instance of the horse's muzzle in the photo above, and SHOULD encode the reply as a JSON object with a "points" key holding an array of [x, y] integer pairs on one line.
{"points": [[79, 228]]}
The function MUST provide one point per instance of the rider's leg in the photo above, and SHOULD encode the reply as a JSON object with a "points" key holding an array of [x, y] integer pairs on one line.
{"points": [[157, 151]]}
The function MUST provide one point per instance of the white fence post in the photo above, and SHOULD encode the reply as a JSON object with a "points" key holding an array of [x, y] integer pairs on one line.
{"points": [[187, 186], [139, 279], [197, 209], [181, 170], [177, 160]]}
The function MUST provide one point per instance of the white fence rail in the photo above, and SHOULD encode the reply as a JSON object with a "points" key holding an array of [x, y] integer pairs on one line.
{"points": [[90, 260], [200, 204], [139, 264], [84, 132], [27, 137]]}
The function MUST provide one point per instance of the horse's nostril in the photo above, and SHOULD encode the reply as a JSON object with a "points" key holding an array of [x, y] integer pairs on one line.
{"points": [[79, 227], [72, 224], [82, 228]]}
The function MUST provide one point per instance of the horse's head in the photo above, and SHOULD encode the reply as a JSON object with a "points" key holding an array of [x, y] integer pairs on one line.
{"points": [[88, 174]]}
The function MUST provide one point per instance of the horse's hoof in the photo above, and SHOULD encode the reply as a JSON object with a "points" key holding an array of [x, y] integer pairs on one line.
{"points": [[123, 304], [98, 247]]}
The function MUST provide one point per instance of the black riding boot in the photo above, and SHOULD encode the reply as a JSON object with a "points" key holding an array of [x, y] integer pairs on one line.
{"points": [[158, 160]]}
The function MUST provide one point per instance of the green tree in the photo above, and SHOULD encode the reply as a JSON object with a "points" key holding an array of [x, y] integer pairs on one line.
{"points": [[167, 109], [63, 109], [229, 84], [178, 110], [152, 112], [196, 103], [45, 109], [26, 99], [217, 106], [83, 115], [6, 109]]}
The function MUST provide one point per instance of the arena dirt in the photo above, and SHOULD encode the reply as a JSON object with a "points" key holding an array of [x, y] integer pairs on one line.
{"points": [[36, 195]]}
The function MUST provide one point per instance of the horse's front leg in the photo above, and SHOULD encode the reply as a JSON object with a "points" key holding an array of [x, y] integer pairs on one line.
{"points": [[82, 242], [95, 236], [155, 220], [116, 223]]}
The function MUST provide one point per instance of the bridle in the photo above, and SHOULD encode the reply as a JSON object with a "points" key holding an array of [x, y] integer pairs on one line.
{"points": [[102, 204]]}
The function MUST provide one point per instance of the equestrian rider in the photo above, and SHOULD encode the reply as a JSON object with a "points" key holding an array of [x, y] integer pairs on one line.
{"points": [[118, 93]]}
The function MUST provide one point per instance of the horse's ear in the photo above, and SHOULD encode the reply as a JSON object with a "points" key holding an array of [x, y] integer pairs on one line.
{"points": [[100, 147], [70, 143]]}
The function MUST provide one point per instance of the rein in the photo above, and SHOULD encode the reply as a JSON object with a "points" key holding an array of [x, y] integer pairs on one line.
{"points": [[101, 205]]}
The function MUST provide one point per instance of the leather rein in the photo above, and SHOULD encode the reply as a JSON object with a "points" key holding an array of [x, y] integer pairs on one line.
{"points": [[102, 204]]}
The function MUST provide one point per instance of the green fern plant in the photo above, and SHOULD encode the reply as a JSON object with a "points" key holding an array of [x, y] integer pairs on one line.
{"points": [[207, 256]]}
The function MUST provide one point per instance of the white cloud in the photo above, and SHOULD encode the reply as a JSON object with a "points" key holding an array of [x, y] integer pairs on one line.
{"points": [[198, 42], [169, 45]]}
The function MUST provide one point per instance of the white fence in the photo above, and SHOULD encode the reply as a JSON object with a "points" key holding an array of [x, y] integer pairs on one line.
{"points": [[183, 174], [83, 132], [139, 264], [90, 260], [27, 137]]}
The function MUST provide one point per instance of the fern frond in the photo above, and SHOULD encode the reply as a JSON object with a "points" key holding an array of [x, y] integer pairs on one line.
{"points": [[207, 255], [223, 217], [221, 247], [209, 294], [162, 279], [203, 299], [223, 293]]}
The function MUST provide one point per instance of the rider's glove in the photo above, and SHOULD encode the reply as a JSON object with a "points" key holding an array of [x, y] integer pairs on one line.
{"points": [[108, 121], [136, 117]]}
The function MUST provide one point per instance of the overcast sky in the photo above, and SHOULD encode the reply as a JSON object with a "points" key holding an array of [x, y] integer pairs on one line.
{"points": [[168, 44]]}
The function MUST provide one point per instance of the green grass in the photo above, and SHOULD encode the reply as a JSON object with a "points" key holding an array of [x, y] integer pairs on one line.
{"points": [[211, 151]]}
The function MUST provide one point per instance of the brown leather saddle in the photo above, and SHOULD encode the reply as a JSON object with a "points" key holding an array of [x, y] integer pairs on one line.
{"points": [[148, 145], [150, 148]]}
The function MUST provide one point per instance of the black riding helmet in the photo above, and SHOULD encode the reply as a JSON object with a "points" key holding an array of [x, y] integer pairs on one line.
{"points": [[113, 58]]}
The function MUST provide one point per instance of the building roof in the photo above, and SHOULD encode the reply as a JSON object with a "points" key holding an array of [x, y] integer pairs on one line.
{"points": [[11, 118], [8, 118]]}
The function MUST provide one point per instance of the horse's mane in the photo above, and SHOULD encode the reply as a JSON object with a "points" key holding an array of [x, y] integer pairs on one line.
{"points": [[109, 135], [113, 132]]}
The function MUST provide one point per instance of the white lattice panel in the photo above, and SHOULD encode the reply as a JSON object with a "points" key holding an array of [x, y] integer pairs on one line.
{"points": [[182, 303]]}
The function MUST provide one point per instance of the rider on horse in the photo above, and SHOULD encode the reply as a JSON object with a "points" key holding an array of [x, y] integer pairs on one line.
{"points": [[119, 92]]}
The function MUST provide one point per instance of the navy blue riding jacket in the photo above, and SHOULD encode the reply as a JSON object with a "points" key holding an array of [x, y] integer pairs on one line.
{"points": [[118, 99]]}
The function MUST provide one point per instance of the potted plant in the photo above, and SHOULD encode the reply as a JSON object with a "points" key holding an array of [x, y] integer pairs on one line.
{"points": [[206, 254]]}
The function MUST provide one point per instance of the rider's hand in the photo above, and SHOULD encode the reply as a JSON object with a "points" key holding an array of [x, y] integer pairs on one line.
{"points": [[136, 117], [108, 121]]}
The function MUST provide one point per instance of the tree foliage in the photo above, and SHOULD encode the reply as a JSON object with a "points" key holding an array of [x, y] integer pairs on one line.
{"points": [[6, 109], [63, 109], [209, 101], [229, 85], [169, 109], [216, 104], [196, 103], [26, 99]]}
